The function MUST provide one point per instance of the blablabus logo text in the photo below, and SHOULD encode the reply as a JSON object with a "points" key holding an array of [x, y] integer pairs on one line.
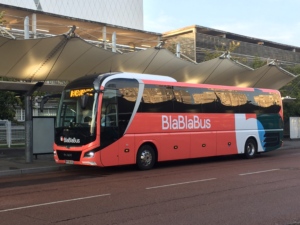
{"points": [[184, 122], [70, 140]]}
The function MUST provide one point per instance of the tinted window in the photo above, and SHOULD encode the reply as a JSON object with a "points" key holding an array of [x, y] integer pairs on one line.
{"points": [[230, 101], [261, 102], [126, 92], [118, 101], [207, 100], [157, 99]]}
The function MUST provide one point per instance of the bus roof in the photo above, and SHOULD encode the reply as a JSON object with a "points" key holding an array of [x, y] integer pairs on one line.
{"points": [[151, 79], [139, 76]]}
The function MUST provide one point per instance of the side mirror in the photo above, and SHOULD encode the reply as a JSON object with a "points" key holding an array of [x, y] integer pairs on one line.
{"points": [[84, 100], [46, 98], [43, 102]]}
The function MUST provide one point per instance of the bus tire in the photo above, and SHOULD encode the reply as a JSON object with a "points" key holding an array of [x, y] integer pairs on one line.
{"points": [[250, 148], [146, 157]]}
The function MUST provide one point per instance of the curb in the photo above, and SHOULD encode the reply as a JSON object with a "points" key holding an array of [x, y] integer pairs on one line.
{"points": [[35, 170]]}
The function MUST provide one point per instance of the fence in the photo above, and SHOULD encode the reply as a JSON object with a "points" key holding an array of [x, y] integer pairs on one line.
{"points": [[11, 133]]}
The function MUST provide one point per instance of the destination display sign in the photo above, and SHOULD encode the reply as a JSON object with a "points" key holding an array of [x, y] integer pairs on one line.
{"points": [[79, 92]]}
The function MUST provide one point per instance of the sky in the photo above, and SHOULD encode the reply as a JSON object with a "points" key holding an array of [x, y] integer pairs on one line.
{"points": [[272, 20]]}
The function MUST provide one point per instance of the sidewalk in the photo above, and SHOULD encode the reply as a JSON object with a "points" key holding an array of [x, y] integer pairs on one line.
{"points": [[290, 144], [12, 161]]}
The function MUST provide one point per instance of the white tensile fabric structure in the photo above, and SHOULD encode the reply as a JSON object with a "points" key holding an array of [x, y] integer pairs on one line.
{"points": [[67, 57]]}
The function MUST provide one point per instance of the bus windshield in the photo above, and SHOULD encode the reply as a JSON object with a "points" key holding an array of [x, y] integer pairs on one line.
{"points": [[72, 115]]}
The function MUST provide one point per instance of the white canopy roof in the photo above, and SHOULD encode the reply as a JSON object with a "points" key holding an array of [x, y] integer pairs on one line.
{"points": [[66, 58]]}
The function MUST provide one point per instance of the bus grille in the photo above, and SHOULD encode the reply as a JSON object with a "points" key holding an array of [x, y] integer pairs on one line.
{"points": [[69, 155], [272, 139]]}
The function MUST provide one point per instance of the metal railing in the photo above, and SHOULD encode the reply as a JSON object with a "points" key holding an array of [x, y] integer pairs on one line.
{"points": [[11, 133]]}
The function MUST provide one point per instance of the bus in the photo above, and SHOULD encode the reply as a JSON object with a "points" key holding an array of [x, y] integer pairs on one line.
{"points": [[120, 118]]}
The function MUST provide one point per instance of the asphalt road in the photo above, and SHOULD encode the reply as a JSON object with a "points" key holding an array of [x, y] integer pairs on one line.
{"points": [[219, 190]]}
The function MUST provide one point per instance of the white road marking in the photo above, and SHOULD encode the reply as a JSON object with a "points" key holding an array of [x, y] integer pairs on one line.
{"points": [[52, 203], [263, 171], [188, 182]]}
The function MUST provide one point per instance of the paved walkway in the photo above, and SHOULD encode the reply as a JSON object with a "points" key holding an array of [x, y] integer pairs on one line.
{"points": [[12, 161]]}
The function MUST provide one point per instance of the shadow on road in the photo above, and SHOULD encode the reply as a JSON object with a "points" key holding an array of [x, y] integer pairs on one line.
{"points": [[80, 173]]}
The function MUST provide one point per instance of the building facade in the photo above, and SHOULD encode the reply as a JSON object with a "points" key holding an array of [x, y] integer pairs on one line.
{"points": [[197, 41], [126, 13]]}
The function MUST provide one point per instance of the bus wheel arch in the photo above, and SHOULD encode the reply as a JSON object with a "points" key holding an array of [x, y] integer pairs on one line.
{"points": [[250, 149], [146, 156]]}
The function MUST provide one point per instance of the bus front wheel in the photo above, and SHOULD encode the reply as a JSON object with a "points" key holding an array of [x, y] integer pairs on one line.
{"points": [[145, 157], [250, 148]]}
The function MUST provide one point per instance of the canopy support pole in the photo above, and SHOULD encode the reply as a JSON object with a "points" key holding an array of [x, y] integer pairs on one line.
{"points": [[104, 37], [26, 27], [34, 25], [178, 50], [114, 42], [28, 123]]}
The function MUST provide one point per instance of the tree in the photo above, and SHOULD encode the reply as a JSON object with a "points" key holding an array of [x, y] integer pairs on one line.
{"points": [[1, 18], [292, 89], [258, 62], [8, 101]]}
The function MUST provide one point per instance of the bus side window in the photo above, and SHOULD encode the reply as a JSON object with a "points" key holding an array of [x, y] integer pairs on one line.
{"points": [[105, 121], [112, 115], [183, 100], [157, 99], [109, 117]]}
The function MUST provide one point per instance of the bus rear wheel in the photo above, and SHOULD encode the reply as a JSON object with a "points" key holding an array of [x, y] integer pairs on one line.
{"points": [[146, 157], [250, 148]]}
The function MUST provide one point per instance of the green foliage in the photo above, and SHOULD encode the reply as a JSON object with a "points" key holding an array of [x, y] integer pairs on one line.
{"points": [[292, 89], [257, 62], [8, 102], [208, 55], [294, 69], [1, 18]]}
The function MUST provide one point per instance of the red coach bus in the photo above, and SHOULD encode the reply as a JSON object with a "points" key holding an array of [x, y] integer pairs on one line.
{"points": [[126, 118]]}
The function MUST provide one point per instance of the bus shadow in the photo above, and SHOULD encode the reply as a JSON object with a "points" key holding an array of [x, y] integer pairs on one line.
{"points": [[209, 160]]}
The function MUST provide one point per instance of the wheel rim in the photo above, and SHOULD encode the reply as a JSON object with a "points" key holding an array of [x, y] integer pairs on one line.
{"points": [[250, 149], [146, 158]]}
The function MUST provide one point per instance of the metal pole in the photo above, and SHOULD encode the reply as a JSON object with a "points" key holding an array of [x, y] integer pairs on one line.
{"points": [[104, 38], [34, 25], [178, 50], [8, 133], [26, 27], [28, 110], [28, 130], [114, 42], [28, 123]]}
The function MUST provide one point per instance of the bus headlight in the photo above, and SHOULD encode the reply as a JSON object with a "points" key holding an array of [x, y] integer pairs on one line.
{"points": [[89, 154]]}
